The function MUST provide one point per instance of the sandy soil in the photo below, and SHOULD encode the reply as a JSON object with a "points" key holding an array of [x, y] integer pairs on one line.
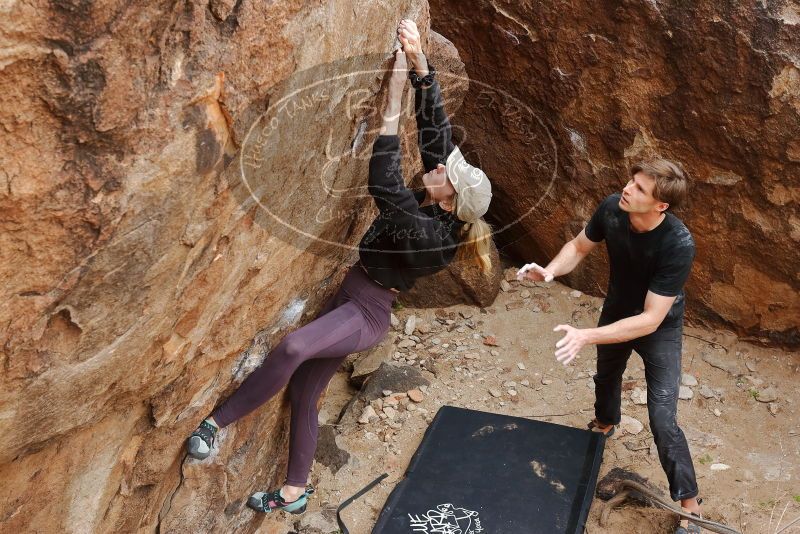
{"points": [[760, 443]]}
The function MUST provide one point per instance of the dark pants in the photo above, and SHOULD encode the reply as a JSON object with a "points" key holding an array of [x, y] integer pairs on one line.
{"points": [[661, 353], [355, 319]]}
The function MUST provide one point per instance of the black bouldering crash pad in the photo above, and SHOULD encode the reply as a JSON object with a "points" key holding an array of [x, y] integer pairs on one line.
{"points": [[484, 473]]}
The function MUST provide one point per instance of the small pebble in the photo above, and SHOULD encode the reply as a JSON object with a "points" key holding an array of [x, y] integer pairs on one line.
{"points": [[706, 391], [631, 425], [368, 413], [769, 394], [416, 395], [639, 396], [411, 324]]}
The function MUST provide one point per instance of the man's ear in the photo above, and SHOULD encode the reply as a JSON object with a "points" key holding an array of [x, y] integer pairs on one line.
{"points": [[662, 207]]}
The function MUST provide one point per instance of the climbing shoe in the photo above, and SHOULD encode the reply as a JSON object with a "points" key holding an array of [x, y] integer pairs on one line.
{"points": [[266, 502], [201, 441]]}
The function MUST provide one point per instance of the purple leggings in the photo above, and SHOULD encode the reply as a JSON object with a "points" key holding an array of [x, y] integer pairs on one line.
{"points": [[354, 319]]}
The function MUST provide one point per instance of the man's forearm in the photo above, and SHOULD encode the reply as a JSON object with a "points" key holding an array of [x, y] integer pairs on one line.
{"points": [[622, 330], [566, 260]]}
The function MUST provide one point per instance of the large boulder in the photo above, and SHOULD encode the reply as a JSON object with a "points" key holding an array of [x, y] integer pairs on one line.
{"points": [[461, 282], [148, 257], [560, 105]]}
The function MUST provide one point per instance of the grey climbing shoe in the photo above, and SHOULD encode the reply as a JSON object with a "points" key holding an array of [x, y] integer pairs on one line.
{"points": [[267, 501], [201, 441]]}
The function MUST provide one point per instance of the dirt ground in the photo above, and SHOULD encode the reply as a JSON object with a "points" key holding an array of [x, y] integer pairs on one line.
{"points": [[756, 489]]}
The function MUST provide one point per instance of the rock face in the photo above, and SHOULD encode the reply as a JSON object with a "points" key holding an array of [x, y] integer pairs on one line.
{"points": [[149, 258], [559, 106]]}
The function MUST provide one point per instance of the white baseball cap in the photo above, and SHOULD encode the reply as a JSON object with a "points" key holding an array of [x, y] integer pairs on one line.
{"points": [[473, 189]]}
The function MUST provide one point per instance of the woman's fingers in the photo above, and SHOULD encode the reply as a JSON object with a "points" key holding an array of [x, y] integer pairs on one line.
{"points": [[409, 36], [409, 25]]}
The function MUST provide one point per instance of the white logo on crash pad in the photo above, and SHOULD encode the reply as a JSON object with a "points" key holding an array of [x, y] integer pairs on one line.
{"points": [[446, 519]]}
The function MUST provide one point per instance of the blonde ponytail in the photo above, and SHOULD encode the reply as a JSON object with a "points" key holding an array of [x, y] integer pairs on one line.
{"points": [[476, 245]]}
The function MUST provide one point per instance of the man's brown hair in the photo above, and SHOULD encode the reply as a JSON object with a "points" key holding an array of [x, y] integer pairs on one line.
{"points": [[672, 182]]}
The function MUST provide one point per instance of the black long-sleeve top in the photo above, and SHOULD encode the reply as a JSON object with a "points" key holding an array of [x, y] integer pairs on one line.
{"points": [[405, 241]]}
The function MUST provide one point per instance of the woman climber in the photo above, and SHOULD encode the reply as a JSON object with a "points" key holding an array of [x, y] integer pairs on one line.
{"points": [[416, 233]]}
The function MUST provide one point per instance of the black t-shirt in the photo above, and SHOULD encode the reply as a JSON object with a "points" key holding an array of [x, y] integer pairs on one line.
{"points": [[657, 261]]}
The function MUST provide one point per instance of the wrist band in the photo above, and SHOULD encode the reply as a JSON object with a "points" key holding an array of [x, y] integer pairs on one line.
{"points": [[418, 81]]}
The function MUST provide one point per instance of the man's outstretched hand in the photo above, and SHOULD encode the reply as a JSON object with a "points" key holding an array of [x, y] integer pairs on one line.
{"points": [[571, 344], [535, 272]]}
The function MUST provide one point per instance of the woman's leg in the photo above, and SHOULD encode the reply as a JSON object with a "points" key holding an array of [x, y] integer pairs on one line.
{"points": [[332, 335], [305, 389], [307, 385]]}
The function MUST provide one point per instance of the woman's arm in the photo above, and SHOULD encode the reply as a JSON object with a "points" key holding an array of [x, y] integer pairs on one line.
{"points": [[435, 132], [386, 184], [397, 84], [408, 34]]}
